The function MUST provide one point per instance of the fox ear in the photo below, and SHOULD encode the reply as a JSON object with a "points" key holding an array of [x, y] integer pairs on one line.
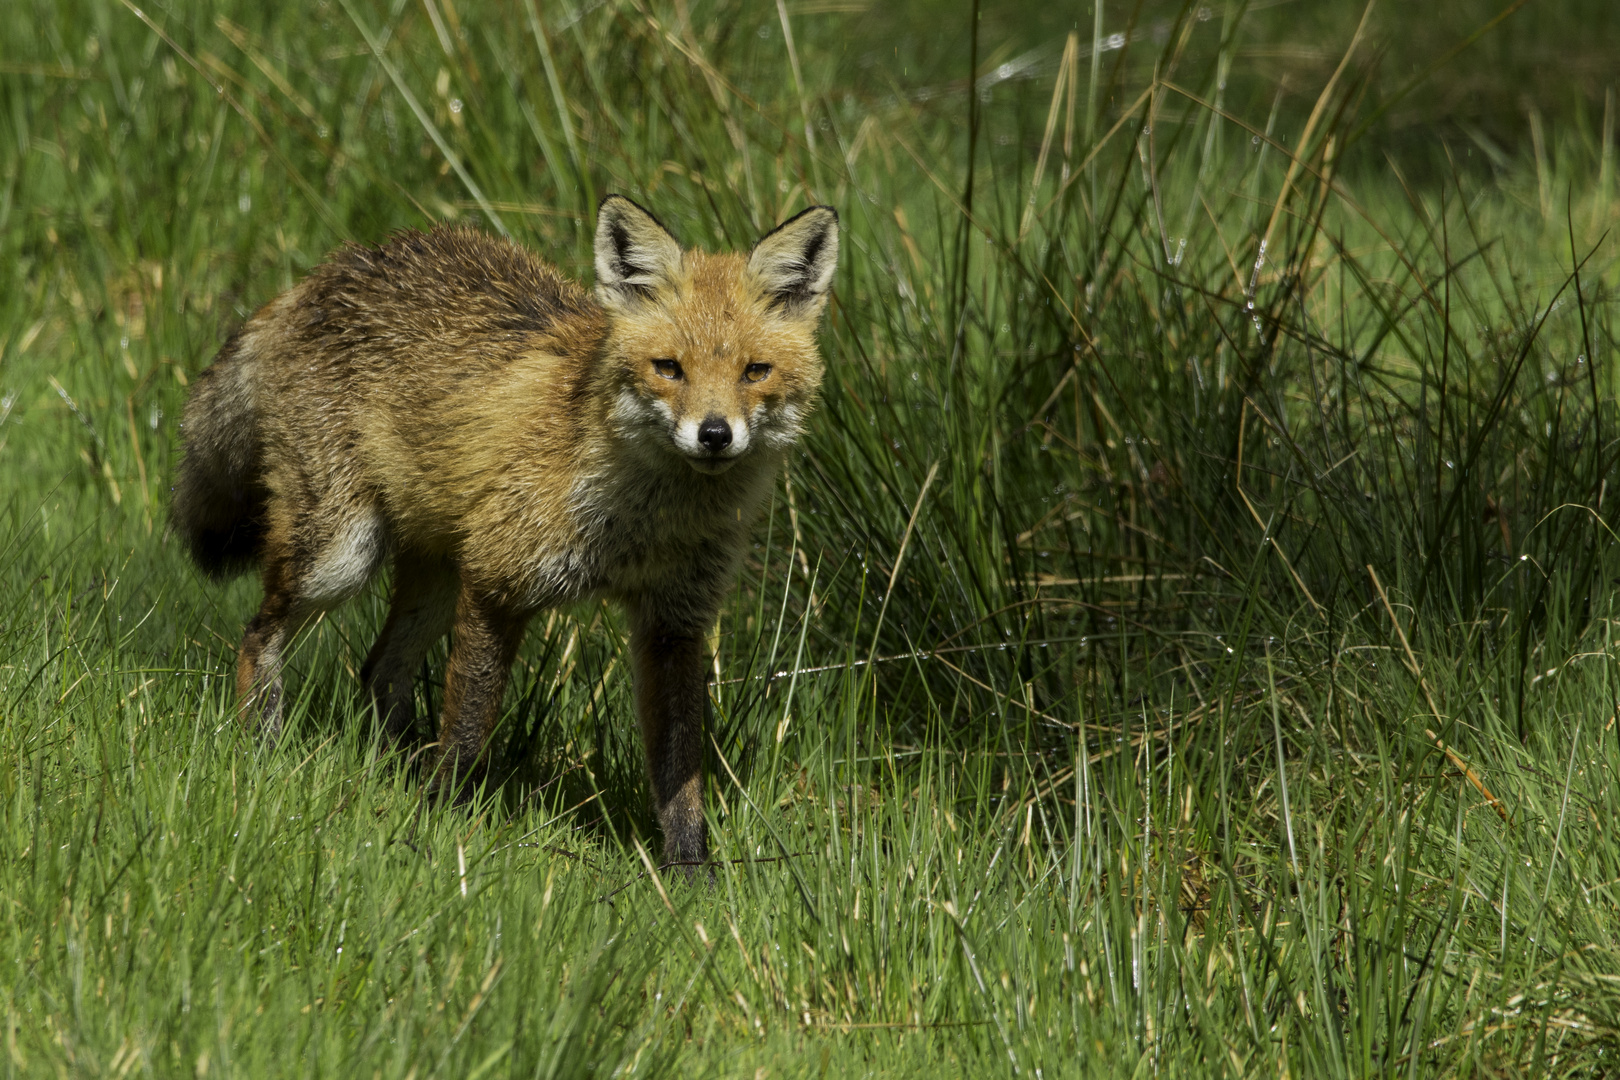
{"points": [[633, 251], [795, 261]]}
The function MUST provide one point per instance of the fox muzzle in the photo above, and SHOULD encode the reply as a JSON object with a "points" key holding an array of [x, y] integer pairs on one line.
{"points": [[714, 434]]}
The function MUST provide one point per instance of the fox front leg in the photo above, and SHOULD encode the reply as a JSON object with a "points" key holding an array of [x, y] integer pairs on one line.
{"points": [[671, 694], [485, 640]]}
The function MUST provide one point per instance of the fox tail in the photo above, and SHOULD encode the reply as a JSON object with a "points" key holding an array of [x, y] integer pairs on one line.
{"points": [[219, 497]]}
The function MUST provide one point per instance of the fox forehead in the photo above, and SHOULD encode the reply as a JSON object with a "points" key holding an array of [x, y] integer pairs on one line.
{"points": [[713, 310]]}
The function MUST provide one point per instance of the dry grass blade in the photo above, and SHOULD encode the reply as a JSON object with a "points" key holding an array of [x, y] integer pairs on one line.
{"points": [[1304, 144], [900, 557], [1434, 710], [1265, 527], [1067, 70]]}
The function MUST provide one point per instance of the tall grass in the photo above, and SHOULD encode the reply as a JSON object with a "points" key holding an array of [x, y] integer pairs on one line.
{"points": [[1184, 643]]}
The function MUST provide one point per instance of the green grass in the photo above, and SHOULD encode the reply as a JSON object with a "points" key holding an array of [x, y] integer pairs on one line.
{"points": [[1169, 655]]}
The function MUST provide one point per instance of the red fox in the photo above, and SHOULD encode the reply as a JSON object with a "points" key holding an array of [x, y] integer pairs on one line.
{"points": [[452, 404]]}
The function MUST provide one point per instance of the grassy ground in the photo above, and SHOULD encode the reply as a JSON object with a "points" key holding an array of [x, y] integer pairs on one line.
{"points": [[1186, 644]]}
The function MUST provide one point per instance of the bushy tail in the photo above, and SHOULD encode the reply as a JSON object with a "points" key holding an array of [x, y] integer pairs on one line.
{"points": [[219, 496]]}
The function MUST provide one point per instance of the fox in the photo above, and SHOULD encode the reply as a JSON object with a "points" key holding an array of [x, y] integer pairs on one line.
{"points": [[452, 405]]}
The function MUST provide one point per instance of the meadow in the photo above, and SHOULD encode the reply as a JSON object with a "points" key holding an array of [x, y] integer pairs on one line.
{"points": [[1185, 644]]}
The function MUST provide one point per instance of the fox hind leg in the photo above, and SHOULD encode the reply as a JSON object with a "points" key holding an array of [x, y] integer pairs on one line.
{"points": [[484, 644], [264, 646], [301, 579], [424, 604]]}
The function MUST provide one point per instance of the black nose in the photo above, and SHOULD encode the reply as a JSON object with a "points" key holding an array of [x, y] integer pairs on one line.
{"points": [[714, 434]]}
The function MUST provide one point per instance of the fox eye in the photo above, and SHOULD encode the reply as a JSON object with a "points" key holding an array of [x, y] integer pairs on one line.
{"points": [[669, 369], [756, 372]]}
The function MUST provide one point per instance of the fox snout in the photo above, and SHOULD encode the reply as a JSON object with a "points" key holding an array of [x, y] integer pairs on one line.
{"points": [[715, 434], [713, 443]]}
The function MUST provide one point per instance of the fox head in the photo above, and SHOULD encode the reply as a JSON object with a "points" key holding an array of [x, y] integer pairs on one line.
{"points": [[713, 357]]}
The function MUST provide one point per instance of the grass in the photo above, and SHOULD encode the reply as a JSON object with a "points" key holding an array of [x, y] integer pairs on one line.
{"points": [[1186, 643]]}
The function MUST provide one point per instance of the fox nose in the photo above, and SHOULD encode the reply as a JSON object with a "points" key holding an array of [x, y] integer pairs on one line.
{"points": [[714, 434]]}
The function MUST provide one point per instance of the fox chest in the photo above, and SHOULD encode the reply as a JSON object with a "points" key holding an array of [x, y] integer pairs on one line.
{"points": [[684, 552]]}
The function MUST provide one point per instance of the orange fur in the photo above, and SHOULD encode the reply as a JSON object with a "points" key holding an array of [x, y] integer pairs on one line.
{"points": [[451, 403]]}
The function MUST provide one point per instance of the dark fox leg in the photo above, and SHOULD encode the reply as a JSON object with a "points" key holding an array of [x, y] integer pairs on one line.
{"points": [[264, 645], [484, 643], [671, 695], [423, 606], [315, 558]]}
